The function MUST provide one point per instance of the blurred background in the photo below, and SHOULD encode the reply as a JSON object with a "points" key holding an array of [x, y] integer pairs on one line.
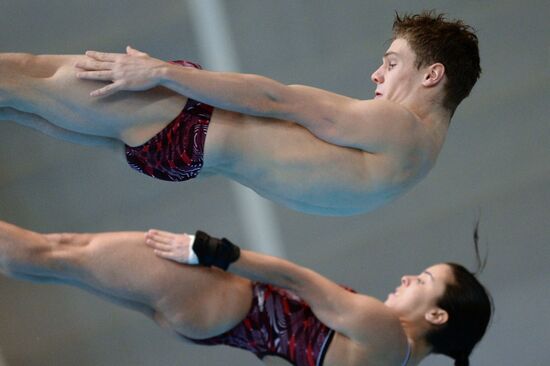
{"points": [[495, 165]]}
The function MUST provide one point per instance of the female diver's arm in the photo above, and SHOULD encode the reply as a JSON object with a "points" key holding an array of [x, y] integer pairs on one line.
{"points": [[356, 316]]}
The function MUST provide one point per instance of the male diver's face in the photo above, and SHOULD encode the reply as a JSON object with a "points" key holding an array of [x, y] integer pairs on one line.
{"points": [[397, 78], [418, 294]]}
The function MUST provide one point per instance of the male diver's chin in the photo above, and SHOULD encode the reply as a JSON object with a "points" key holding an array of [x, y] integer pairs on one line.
{"points": [[390, 299]]}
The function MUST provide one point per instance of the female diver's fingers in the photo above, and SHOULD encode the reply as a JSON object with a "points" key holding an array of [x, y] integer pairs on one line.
{"points": [[169, 255], [107, 90], [95, 75], [162, 232], [168, 234], [159, 246], [160, 238], [150, 243], [165, 235]]}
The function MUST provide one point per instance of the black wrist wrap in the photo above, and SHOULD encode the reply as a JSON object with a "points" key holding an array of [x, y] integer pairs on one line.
{"points": [[215, 252]]}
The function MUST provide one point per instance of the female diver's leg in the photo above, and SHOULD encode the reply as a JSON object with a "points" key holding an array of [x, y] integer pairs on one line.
{"points": [[139, 307], [193, 301], [46, 85]]}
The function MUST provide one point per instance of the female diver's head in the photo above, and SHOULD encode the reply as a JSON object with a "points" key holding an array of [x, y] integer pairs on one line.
{"points": [[448, 304], [469, 308]]}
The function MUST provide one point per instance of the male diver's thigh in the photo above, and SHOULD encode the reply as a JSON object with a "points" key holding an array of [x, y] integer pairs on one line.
{"points": [[60, 97]]}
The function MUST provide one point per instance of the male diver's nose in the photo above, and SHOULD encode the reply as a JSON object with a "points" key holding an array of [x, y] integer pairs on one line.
{"points": [[377, 76]]}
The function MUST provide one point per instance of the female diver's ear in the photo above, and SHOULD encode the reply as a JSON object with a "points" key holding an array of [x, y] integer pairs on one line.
{"points": [[437, 316]]}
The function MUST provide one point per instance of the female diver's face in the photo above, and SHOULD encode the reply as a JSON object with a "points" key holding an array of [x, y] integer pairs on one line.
{"points": [[418, 294]]}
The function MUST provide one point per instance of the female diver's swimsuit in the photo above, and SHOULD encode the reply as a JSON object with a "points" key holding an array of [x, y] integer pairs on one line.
{"points": [[278, 324], [175, 153], [281, 324], [408, 356]]}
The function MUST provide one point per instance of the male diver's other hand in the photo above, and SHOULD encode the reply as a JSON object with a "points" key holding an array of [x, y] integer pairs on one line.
{"points": [[169, 245], [131, 71]]}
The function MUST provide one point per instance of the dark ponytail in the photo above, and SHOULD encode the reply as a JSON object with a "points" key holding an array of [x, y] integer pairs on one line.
{"points": [[469, 306], [462, 360]]}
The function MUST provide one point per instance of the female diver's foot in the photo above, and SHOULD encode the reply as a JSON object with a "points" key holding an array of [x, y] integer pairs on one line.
{"points": [[21, 251]]}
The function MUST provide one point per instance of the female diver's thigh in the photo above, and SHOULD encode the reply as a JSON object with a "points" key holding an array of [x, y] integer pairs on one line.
{"points": [[196, 302]]}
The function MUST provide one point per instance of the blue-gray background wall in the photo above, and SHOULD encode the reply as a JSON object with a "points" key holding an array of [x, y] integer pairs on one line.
{"points": [[496, 161]]}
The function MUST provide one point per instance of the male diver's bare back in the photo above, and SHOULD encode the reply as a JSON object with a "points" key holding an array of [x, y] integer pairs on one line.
{"points": [[286, 163]]}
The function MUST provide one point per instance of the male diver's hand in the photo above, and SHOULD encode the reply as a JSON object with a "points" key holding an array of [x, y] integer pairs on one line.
{"points": [[176, 247], [131, 71]]}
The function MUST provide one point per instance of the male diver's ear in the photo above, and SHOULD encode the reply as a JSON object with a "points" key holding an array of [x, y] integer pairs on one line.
{"points": [[434, 74], [437, 316]]}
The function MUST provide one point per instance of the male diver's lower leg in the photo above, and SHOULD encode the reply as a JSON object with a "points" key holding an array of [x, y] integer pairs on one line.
{"points": [[46, 127]]}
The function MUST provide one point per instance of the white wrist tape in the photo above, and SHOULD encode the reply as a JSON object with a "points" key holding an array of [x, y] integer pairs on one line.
{"points": [[192, 257]]}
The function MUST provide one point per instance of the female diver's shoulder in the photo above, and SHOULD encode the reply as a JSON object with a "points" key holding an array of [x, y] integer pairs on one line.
{"points": [[377, 337]]}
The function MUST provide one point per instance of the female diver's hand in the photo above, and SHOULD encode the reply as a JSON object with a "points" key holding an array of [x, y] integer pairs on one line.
{"points": [[132, 71], [169, 245]]}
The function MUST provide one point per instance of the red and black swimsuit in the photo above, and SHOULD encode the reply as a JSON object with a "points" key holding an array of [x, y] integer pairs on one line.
{"points": [[278, 324]]}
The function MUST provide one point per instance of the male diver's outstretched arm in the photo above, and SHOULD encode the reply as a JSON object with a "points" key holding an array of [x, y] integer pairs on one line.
{"points": [[371, 126], [353, 315]]}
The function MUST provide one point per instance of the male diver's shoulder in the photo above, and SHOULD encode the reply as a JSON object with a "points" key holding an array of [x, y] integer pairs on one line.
{"points": [[390, 112], [407, 129]]}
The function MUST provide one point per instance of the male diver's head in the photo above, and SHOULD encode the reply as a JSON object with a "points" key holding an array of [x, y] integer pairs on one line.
{"points": [[429, 51]]}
